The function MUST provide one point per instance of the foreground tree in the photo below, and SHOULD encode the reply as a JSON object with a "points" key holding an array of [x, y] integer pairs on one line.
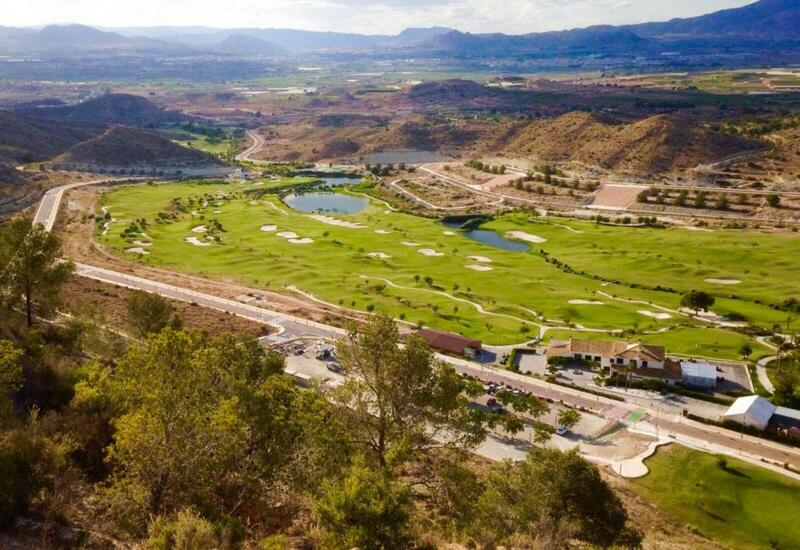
{"points": [[401, 401], [366, 509], [199, 421], [553, 497], [30, 268], [150, 313]]}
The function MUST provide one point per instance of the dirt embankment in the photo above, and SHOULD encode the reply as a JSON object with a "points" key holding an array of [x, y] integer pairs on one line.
{"points": [[93, 297]]}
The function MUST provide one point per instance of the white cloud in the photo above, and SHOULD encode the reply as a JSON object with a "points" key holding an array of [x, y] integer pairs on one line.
{"points": [[365, 16]]}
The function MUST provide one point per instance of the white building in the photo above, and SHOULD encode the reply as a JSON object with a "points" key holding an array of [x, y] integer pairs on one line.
{"points": [[701, 375], [754, 411]]}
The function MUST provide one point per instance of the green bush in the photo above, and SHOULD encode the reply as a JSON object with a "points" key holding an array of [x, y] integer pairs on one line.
{"points": [[185, 530]]}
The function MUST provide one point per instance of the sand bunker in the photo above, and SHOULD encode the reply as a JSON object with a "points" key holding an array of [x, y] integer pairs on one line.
{"points": [[217, 212], [407, 243], [338, 223], [586, 303], [137, 250], [304, 240], [382, 231], [479, 267], [252, 203], [654, 315], [527, 237], [379, 255], [287, 234], [268, 228], [195, 241], [693, 228], [449, 233], [142, 243], [724, 281], [480, 259], [199, 229], [429, 252]]}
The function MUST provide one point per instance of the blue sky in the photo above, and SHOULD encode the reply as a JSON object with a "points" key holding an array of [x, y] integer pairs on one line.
{"points": [[363, 16]]}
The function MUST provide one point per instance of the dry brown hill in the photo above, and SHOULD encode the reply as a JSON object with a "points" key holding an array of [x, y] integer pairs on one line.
{"points": [[27, 139], [351, 137], [656, 144], [128, 109], [122, 146]]}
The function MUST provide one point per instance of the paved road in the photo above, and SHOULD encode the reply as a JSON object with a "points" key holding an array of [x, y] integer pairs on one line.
{"points": [[258, 143], [761, 372], [48, 207], [290, 326]]}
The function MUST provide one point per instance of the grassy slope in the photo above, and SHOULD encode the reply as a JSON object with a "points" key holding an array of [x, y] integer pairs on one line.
{"points": [[746, 506], [334, 266]]}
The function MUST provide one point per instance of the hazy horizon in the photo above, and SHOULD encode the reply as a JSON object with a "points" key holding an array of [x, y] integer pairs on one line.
{"points": [[361, 16]]}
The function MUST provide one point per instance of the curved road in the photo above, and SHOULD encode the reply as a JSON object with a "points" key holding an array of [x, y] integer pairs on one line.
{"points": [[673, 426], [258, 143]]}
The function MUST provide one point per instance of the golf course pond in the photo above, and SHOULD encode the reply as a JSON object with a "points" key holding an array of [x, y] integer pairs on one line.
{"points": [[490, 238], [336, 203]]}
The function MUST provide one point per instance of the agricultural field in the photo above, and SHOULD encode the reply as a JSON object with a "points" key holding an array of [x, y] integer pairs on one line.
{"points": [[220, 141], [733, 502], [738, 81], [423, 272]]}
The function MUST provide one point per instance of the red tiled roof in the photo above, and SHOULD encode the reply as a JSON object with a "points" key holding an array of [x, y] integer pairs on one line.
{"points": [[607, 349], [447, 341]]}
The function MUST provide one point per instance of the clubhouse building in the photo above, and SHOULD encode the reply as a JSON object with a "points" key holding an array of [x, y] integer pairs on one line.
{"points": [[640, 360]]}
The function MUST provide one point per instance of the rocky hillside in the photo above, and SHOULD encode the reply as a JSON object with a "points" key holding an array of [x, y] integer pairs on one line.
{"points": [[656, 144], [10, 175], [122, 146]]}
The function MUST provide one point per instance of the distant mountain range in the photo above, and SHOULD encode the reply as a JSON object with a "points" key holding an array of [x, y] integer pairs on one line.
{"points": [[768, 22], [267, 42], [767, 25]]}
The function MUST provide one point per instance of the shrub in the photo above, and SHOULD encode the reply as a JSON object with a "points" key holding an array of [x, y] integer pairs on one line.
{"points": [[185, 530]]}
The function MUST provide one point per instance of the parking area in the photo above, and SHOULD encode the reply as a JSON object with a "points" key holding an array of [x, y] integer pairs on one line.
{"points": [[311, 362], [530, 362], [732, 377]]}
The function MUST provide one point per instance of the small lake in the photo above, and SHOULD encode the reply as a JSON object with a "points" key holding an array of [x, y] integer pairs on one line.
{"points": [[491, 238], [332, 203]]}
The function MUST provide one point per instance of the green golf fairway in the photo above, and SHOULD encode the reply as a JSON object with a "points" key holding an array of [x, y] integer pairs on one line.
{"points": [[416, 269]]}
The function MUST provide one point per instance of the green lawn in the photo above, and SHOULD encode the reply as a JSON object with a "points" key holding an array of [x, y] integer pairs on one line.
{"points": [[744, 506], [337, 266], [203, 143], [765, 263]]}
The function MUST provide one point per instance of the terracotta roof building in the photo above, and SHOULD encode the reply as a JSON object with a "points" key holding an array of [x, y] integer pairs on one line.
{"points": [[648, 361], [450, 343]]}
